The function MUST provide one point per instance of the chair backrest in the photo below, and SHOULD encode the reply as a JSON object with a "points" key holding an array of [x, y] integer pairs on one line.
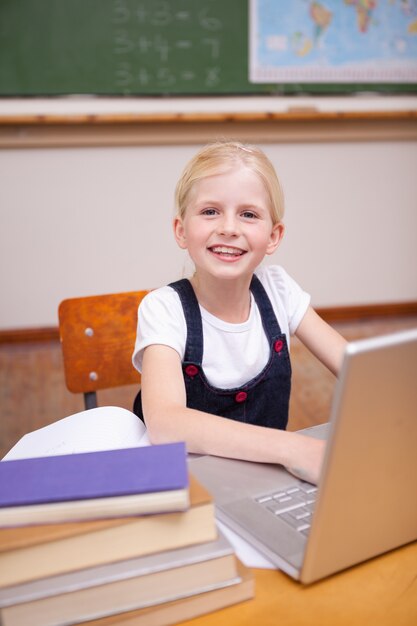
{"points": [[97, 336]]}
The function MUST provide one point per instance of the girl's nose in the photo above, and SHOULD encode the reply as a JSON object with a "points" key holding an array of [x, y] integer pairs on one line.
{"points": [[228, 225]]}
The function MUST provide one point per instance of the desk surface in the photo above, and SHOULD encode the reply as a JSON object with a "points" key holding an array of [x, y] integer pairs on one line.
{"points": [[382, 591]]}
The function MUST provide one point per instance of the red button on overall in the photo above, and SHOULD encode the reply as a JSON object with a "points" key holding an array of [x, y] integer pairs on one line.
{"points": [[191, 370], [241, 396], [278, 345]]}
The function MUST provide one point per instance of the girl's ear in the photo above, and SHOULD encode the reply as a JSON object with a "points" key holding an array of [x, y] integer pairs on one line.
{"points": [[179, 232], [277, 234]]}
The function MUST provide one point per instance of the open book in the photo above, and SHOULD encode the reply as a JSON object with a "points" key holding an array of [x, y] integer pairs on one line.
{"points": [[91, 465], [103, 428]]}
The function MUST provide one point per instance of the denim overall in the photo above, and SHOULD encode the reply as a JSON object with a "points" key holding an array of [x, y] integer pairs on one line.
{"points": [[264, 400]]}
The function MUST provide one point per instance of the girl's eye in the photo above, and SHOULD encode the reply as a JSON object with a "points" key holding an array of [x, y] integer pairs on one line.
{"points": [[208, 212], [249, 215]]}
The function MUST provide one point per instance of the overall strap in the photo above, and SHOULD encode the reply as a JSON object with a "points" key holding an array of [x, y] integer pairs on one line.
{"points": [[269, 319], [194, 344]]}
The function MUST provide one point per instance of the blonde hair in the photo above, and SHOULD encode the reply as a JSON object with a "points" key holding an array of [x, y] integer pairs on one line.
{"points": [[220, 157]]}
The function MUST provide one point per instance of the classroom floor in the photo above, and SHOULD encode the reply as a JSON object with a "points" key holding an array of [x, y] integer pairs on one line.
{"points": [[33, 392]]}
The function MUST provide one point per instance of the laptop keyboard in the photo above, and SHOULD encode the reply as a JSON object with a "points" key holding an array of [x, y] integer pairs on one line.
{"points": [[294, 505]]}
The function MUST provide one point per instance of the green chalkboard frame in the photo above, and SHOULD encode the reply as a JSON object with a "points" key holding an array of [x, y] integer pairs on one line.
{"points": [[137, 48]]}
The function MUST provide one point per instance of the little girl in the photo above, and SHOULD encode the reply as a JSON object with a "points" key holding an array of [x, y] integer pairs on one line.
{"points": [[213, 350]]}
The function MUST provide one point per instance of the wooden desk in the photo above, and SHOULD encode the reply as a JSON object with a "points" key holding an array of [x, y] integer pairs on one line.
{"points": [[380, 592]]}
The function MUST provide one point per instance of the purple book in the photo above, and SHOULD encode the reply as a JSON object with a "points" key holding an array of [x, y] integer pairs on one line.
{"points": [[92, 475]]}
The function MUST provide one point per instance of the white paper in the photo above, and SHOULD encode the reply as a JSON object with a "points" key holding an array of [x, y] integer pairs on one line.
{"points": [[244, 551], [103, 428]]}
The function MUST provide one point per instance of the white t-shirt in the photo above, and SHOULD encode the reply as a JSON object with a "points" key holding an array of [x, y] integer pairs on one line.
{"points": [[233, 353]]}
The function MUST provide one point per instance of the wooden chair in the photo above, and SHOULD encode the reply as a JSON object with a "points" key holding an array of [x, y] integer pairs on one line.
{"points": [[97, 335]]}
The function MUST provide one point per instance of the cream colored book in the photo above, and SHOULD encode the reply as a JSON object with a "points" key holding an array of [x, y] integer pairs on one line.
{"points": [[112, 572], [106, 541], [123, 586], [187, 608]]}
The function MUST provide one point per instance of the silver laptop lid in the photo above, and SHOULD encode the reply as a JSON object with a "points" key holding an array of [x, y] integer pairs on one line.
{"points": [[367, 500]]}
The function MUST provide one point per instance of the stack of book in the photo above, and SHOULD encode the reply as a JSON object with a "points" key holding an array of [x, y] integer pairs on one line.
{"points": [[113, 536]]}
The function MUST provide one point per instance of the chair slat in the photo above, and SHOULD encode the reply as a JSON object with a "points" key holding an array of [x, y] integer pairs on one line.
{"points": [[97, 336]]}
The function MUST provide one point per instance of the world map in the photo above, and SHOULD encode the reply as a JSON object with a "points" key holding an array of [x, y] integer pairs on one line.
{"points": [[333, 41]]}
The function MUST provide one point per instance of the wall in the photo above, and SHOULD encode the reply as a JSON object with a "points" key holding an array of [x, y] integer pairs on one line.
{"points": [[78, 221]]}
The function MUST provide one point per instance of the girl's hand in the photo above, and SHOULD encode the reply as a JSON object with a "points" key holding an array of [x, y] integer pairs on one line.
{"points": [[307, 458]]}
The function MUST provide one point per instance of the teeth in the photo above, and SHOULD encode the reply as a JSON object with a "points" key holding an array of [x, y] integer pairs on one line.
{"points": [[226, 250]]}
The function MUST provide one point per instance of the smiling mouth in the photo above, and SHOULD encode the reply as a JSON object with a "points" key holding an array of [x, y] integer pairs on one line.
{"points": [[227, 251]]}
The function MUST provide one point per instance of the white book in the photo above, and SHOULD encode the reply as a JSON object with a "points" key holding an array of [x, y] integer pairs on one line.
{"points": [[103, 428]]}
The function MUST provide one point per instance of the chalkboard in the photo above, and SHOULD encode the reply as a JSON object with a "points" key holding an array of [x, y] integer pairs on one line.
{"points": [[134, 47]]}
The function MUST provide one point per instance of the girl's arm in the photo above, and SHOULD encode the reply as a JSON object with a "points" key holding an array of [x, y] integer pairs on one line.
{"points": [[168, 419], [322, 340]]}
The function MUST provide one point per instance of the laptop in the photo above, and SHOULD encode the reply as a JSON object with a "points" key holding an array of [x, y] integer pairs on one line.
{"points": [[366, 500]]}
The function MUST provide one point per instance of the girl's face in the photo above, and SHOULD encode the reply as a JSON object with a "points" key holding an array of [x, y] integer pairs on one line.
{"points": [[227, 228]]}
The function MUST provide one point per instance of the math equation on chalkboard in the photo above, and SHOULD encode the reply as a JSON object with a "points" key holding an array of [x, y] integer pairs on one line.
{"points": [[168, 46], [123, 47]]}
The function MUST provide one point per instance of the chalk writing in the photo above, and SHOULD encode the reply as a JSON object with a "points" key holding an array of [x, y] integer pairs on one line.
{"points": [[160, 44]]}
